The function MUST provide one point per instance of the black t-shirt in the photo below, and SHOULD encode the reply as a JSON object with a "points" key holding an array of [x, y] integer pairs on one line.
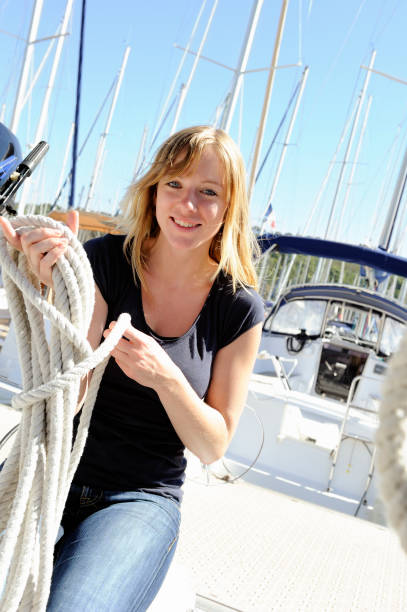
{"points": [[132, 443]]}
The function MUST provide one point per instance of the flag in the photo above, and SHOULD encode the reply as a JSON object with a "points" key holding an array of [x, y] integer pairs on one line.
{"points": [[268, 225]]}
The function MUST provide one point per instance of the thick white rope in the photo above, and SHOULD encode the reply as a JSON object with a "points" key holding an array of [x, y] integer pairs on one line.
{"points": [[36, 477], [391, 442]]}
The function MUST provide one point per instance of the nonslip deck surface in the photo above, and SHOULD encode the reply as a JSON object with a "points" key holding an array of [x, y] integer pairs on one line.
{"points": [[256, 551]]}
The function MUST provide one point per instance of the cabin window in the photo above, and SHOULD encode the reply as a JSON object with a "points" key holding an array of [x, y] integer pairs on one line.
{"points": [[392, 334], [348, 322], [294, 316]]}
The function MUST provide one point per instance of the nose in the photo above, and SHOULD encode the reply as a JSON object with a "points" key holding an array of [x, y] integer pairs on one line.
{"points": [[189, 200]]}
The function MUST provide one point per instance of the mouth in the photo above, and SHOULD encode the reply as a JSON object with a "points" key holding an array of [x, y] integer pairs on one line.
{"points": [[185, 225]]}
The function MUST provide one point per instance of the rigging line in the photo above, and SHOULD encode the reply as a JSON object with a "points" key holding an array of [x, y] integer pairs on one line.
{"points": [[164, 119], [300, 31], [180, 65], [390, 155], [280, 125], [383, 194], [77, 108], [239, 140], [376, 37], [92, 127], [333, 64]]}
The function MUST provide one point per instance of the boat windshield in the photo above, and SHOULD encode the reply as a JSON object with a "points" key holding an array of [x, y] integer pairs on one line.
{"points": [[392, 334], [294, 316], [352, 323]]}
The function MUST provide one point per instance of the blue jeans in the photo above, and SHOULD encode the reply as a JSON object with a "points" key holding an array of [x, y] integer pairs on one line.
{"points": [[115, 552]]}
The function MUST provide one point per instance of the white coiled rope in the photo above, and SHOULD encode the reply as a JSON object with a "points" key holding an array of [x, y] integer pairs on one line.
{"points": [[35, 480], [391, 442]]}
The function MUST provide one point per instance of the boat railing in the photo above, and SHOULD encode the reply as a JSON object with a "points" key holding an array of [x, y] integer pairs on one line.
{"points": [[279, 368], [344, 434]]}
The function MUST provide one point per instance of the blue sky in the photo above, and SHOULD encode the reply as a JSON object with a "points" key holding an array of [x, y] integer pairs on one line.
{"points": [[333, 37]]}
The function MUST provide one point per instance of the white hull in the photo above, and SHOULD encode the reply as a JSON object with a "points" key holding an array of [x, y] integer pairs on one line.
{"points": [[300, 433]]}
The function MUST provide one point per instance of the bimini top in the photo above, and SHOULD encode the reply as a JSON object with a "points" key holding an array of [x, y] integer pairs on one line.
{"points": [[364, 297], [374, 258]]}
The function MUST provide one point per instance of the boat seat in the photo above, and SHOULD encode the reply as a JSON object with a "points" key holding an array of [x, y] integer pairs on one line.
{"points": [[296, 426]]}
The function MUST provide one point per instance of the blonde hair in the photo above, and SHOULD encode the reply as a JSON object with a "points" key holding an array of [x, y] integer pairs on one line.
{"points": [[234, 246]]}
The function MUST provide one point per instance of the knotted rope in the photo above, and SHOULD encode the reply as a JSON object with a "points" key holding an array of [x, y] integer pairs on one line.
{"points": [[391, 441], [36, 477]]}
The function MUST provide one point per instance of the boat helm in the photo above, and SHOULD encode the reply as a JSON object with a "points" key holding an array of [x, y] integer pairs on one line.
{"points": [[10, 153]]}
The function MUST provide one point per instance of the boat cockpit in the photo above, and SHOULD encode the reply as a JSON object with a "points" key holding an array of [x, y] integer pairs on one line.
{"points": [[325, 336]]}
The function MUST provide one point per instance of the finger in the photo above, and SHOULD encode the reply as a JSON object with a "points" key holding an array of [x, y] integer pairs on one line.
{"points": [[43, 246], [30, 235], [10, 234], [47, 261], [72, 221], [133, 334], [122, 349], [35, 253]]}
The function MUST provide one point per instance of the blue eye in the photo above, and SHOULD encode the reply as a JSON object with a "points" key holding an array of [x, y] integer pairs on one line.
{"points": [[209, 192], [174, 184]]}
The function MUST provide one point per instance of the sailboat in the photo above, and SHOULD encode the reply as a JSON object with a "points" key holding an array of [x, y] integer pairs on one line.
{"points": [[272, 525]]}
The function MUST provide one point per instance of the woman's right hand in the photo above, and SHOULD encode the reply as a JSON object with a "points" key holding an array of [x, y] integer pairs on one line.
{"points": [[42, 246]]}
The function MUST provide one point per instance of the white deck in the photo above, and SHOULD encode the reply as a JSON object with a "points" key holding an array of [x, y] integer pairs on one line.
{"points": [[256, 550], [250, 549]]}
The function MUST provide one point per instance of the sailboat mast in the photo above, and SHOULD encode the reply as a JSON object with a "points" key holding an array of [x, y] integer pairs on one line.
{"points": [[349, 145], [77, 106], [39, 134], [266, 103], [185, 89], [175, 79], [388, 227], [241, 67], [65, 161], [287, 138], [352, 172], [102, 140], [28, 53]]}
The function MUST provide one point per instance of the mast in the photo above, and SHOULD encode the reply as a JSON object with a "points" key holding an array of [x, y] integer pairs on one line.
{"points": [[267, 97], [191, 75], [39, 134], [352, 172], [175, 79], [278, 172], [141, 153], [388, 227], [102, 140], [349, 145], [241, 67], [287, 138], [28, 53], [67, 148], [77, 106]]}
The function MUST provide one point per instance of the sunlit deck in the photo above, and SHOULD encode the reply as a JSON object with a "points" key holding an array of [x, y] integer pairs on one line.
{"points": [[255, 550]]}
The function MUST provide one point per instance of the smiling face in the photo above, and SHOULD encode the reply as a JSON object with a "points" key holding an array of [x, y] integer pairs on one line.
{"points": [[190, 208]]}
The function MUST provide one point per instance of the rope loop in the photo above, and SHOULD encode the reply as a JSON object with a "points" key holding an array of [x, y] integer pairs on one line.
{"points": [[36, 477]]}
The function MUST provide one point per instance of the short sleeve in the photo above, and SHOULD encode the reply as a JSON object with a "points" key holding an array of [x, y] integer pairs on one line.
{"points": [[108, 262], [244, 311]]}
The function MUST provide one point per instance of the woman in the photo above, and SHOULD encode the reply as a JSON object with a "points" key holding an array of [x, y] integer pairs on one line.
{"points": [[178, 377]]}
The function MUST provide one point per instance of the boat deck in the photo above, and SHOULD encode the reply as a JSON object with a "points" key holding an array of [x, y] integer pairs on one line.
{"points": [[250, 549], [255, 550]]}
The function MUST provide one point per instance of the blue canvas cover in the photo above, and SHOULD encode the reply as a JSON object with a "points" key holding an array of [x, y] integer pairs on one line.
{"points": [[374, 258]]}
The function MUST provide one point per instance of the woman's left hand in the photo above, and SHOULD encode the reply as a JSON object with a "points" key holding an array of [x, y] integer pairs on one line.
{"points": [[142, 358]]}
